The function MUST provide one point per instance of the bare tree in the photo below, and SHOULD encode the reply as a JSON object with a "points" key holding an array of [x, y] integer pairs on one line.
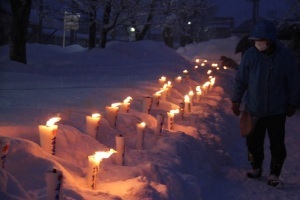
{"points": [[20, 18]]}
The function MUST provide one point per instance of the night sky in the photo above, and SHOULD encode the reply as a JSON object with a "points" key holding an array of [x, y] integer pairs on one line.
{"points": [[241, 10]]}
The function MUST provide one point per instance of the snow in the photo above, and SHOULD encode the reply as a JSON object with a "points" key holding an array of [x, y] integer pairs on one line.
{"points": [[204, 157]]}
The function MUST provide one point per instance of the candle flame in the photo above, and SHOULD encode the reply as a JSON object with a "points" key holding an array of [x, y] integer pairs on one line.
{"points": [[159, 92], [185, 71], [178, 78], [169, 83], [165, 86], [52, 121], [143, 124], [209, 72], [202, 64], [186, 98], [115, 104], [99, 155], [128, 99], [196, 66], [197, 60], [174, 111], [224, 67], [198, 89], [191, 93], [205, 61], [163, 78], [206, 84], [95, 115]]}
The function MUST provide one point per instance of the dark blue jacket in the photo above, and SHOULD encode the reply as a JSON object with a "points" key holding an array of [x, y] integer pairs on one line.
{"points": [[270, 82]]}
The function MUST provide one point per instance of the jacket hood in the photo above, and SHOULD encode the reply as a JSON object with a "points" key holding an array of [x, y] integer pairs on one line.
{"points": [[263, 29]]}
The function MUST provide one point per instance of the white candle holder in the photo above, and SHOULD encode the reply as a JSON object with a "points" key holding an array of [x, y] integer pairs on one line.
{"points": [[140, 129], [4, 146], [92, 125], [147, 103], [48, 135], [54, 180], [160, 123], [120, 148], [156, 97], [111, 114]]}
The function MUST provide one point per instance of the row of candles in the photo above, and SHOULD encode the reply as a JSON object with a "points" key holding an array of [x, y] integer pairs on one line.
{"points": [[48, 132]]}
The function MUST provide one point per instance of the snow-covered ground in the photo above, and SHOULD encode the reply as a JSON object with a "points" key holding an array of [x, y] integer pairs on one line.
{"points": [[202, 158]]}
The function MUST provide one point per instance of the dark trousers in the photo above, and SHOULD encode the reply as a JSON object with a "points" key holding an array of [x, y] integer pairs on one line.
{"points": [[275, 127]]}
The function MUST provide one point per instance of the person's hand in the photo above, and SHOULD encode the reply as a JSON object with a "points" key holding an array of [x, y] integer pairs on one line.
{"points": [[291, 110], [236, 108]]}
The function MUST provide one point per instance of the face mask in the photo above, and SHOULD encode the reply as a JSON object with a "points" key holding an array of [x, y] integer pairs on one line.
{"points": [[261, 45]]}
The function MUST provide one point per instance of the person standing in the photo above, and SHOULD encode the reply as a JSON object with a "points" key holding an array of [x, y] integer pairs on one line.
{"points": [[268, 80]]}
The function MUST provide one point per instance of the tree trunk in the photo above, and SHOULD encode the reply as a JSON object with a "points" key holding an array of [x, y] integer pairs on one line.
{"points": [[104, 30], [168, 37], [92, 28], [140, 35], [20, 18]]}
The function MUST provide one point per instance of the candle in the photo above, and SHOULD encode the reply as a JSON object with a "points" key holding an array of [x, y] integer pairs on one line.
{"points": [[92, 124], [198, 93], [181, 109], [164, 92], [4, 146], [212, 82], [170, 118], [205, 87], [54, 180], [94, 165], [125, 106], [111, 113], [156, 97], [48, 135], [147, 103], [140, 129], [159, 125], [185, 75], [120, 147], [187, 104], [191, 96], [162, 80], [169, 88], [178, 79]]}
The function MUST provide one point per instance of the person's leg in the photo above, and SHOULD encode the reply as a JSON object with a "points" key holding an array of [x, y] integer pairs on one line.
{"points": [[255, 144], [276, 132]]}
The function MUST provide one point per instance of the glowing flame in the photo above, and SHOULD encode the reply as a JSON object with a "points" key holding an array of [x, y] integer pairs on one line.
{"points": [[185, 71], [209, 72], [52, 121], [178, 78], [162, 79], [214, 65], [205, 61], [224, 67], [206, 84], [186, 98], [197, 60], [165, 86], [99, 155], [115, 104], [191, 93], [96, 115], [159, 92], [143, 124], [202, 64], [198, 89], [127, 100], [174, 111], [196, 66], [169, 83]]}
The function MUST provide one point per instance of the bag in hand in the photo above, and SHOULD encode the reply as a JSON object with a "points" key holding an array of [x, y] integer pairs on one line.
{"points": [[247, 124]]}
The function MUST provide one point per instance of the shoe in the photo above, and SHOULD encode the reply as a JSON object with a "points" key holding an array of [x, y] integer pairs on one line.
{"points": [[254, 173], [274, 181]]}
